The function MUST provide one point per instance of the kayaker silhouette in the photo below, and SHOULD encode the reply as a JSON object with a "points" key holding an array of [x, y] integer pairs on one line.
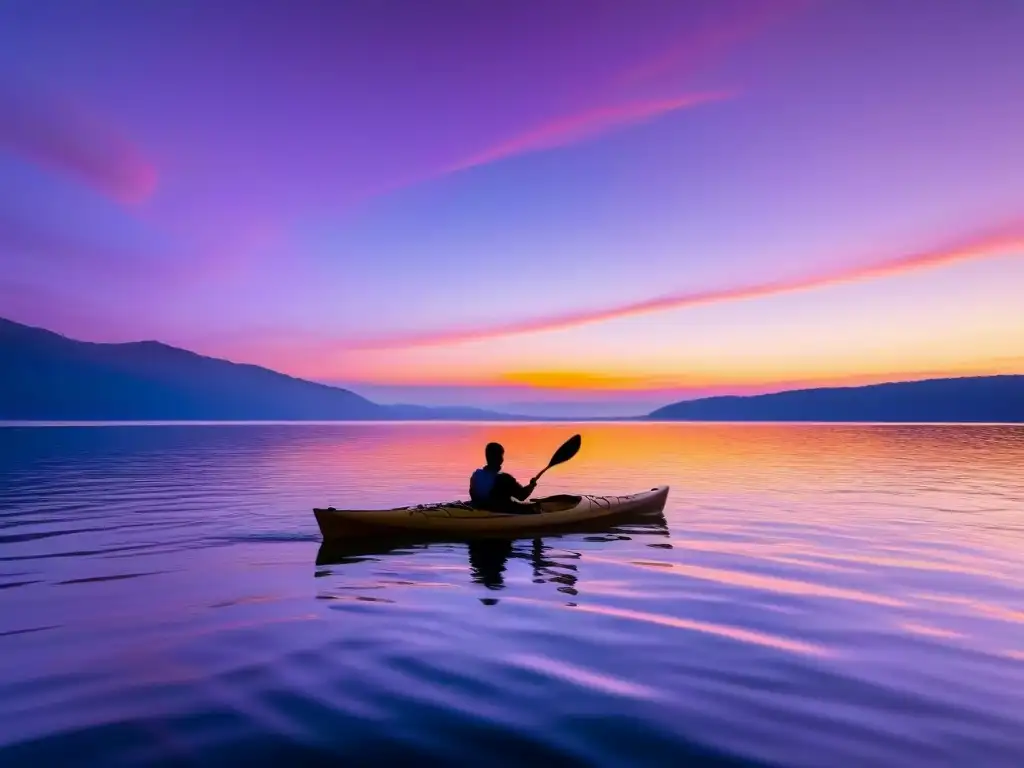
{"points": [[490, 488]]}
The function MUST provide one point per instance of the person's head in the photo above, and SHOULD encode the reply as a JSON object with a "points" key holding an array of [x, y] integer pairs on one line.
{"points": [[495, 455]]}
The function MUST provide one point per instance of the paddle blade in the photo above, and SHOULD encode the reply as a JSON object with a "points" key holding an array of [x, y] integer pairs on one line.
{"points": [[567, 450]]}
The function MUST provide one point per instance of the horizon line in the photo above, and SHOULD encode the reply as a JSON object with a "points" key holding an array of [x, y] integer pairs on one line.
{"points": [[773, 388]]}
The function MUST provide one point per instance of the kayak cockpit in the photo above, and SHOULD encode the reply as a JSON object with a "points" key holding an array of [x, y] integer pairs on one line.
{"points": [[546, 504], [559, 503]]}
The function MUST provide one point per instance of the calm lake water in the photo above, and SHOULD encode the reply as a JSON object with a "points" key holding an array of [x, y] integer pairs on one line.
{"points": [[816, 596]]}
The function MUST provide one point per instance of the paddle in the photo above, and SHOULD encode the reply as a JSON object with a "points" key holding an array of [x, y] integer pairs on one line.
{"points": [[567, 450]]}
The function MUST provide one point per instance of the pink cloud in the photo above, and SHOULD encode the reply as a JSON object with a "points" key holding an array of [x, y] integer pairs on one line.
{"points": [[54, 134], [578, 127], [995, 241], [558, 132], [611, 108]]}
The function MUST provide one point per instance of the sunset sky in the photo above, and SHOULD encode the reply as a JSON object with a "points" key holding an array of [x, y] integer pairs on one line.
{"points": [[578, 206]]}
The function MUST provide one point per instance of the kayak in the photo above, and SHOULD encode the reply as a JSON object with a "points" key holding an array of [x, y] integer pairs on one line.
{"points": [[549, 513], [460, 517]]}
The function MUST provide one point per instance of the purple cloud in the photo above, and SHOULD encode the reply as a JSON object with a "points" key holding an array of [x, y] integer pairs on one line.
{"points": [[55, 134]]}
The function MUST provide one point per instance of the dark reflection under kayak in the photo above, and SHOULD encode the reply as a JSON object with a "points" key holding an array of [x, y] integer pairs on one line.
{"points": [[489, 555]]}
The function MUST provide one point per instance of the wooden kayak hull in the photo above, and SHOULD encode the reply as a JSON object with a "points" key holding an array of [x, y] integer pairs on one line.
{"points": [[555, 513]]}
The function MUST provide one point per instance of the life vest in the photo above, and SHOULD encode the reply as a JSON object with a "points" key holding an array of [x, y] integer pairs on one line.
{"points": [[481, 484]]}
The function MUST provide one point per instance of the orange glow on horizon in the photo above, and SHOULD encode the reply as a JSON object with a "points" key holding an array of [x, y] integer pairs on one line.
{"points": [[722, 382], [586, 380]]}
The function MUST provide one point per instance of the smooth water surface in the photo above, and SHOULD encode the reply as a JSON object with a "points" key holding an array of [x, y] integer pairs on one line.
{"points": [[815, 596]]}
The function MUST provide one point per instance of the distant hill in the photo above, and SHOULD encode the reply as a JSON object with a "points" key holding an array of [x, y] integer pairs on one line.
{"points": [[46, 376], [968, 399]]}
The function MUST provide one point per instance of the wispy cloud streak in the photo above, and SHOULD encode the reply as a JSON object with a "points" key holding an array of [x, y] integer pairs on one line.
{"points": [[584, 125], [562, 131], [617, 103], [53, 134], [997, 241]]}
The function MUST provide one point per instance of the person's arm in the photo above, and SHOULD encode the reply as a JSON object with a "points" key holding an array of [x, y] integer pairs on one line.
{"points": [[520, 492]]}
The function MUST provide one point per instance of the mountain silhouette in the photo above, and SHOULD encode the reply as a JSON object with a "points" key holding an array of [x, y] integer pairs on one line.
{"points": [[46, 376], [993, 399]]}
